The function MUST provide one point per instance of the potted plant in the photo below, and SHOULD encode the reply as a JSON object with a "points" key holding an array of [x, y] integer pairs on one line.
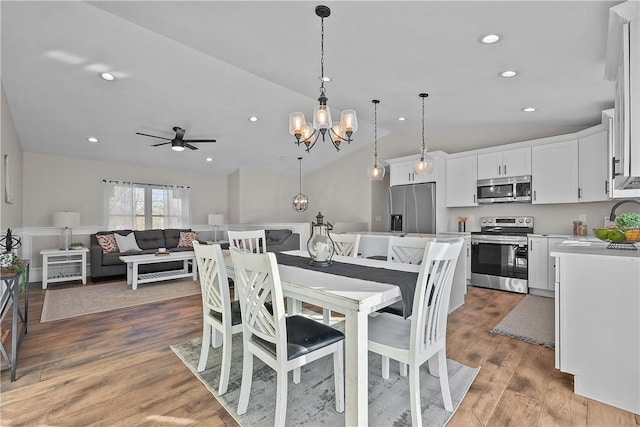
{"points": [[11, 263], [75, 245], [629, 224]]}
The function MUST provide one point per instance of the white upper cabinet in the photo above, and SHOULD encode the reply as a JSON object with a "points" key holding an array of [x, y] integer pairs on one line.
{"points": [[554, 172], [593, 181], [508, 163], [462, 181], [403, 173]]}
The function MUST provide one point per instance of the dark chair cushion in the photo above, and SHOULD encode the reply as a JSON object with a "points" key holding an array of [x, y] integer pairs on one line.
{"points": [[150, 239], [236, 317], [304, 335]]}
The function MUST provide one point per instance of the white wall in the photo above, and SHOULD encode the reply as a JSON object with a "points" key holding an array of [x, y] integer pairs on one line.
{"points": [[57, 183], [266, 197], [10, 214]]}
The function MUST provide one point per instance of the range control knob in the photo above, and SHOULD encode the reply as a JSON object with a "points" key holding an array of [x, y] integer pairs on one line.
{"points": [[490, 220], [484, 220], [528, 220], [520, 220]]}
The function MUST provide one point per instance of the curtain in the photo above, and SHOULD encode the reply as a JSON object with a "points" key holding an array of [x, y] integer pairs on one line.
{"points": [[135, 206]]}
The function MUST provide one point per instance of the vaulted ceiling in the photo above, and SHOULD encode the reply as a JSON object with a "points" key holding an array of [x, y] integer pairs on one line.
{"points": [[207, 66]]}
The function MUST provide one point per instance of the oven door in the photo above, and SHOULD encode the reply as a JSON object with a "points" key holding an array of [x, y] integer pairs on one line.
{"points": [[499, 262]]}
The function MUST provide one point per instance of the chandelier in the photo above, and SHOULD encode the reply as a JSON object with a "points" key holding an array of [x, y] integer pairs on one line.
{"points": [[338, 131], [300, 201], [375, 171], [424, 165]]}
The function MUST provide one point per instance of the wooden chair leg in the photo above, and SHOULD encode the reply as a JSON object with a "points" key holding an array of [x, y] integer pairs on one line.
{"points": [[338, 376], [281, 399], [385, 367], [245, 386], [204, 348], [444, 380], [414, 392], [226, 364]]}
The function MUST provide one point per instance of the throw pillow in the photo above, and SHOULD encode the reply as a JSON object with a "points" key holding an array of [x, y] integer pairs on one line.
{"points": [[107, 242], [187, 238], [127, 243]]}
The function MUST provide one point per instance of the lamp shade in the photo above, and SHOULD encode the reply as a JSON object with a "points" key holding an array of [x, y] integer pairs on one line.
{"points": [[66, 219], [215, 219]]}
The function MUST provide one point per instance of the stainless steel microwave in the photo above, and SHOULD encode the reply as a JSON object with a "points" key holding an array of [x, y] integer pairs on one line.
{"points": [[501, 190]]}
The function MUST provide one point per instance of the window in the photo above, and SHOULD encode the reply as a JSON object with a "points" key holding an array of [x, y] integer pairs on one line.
{"points": [[134, 206]]}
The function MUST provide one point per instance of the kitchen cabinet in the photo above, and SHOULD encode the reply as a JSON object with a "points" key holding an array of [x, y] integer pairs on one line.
{"points": [[403, 173], [462, 181], [593, 183], [622, 66], [540, 265], [554, 172], [597, 323], [507, 163]]}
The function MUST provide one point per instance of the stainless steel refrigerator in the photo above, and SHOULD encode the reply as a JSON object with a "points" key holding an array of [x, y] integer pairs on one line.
{"points": [[413, 208]]}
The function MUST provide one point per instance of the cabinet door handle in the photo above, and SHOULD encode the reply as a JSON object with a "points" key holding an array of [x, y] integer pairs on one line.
{"points": [[474, 198], [499, 170], [505, 169], [606, 186], [534, 194], [579, 193], [614, 161]]}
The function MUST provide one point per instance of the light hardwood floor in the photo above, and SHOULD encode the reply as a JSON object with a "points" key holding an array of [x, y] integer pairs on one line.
{"points": [[116, 369]]}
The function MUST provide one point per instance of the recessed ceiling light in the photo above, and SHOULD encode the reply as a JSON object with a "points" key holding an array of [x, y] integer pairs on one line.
{"points": [[253, 119], [529, 109], [324, 78], [209, 159], [107, 76], [92, 139], [283, 157], [402, 119], [508, 73], [489, 38]]}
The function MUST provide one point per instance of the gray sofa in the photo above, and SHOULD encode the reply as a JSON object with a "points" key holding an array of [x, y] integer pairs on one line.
{"points": [[109, 264]]}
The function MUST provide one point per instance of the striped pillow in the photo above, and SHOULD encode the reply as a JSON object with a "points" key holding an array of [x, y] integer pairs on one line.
{"points": [[187, 238], [107, 243]]}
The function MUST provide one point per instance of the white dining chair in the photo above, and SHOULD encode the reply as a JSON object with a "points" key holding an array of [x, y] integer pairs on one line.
{"points": [[283, 343], [408, 250], [221, 317], [346, 244], [250, 240], [422, 337]]}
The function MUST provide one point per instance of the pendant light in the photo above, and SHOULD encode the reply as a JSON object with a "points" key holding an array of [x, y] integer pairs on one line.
{"points": [[375, 171], [300, 201], [424, 165], [337, 131]]}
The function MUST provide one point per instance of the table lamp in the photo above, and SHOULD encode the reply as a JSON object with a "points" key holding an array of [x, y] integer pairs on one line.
{"points": [[65, 221], [215, 220]]}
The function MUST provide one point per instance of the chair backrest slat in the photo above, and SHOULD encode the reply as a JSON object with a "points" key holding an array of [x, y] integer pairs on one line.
{"points": [[257, 282], [250, 241], [346, 244], [214, 283], [408, 250], [433, 290]]}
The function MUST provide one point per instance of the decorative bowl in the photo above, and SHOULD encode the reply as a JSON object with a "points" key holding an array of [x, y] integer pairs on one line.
{"points": [[616, 238]]}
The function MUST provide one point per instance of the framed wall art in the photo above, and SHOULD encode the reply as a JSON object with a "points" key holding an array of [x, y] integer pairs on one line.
{"points": [[9, 179]]}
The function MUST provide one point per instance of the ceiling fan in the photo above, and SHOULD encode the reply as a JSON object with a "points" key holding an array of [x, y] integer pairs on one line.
{"points": [[178, 143]]}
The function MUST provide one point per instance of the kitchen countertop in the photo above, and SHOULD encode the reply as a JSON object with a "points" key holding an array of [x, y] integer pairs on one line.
{"points": [[598, 248]]}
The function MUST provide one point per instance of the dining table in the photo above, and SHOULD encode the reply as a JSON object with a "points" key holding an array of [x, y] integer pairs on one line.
{"points": [[355, 298]]}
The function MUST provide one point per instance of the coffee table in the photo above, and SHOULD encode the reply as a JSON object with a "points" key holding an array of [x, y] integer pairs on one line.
{"points": [[134, 261]]}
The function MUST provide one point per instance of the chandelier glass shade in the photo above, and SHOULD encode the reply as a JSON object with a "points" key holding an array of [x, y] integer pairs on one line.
{"points": [[424, 165], [375, 170], [300, 202], [322, 125]]}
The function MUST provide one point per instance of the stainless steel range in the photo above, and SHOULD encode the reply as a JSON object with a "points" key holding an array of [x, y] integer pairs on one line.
{"points": [[499, 253]]}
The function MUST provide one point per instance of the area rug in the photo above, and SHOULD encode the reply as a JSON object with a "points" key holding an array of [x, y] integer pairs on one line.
{"points": [[532, 320], [311, 402], [77, 301]]}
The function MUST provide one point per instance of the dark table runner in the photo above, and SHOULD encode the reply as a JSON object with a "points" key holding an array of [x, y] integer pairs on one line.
{"points": [[405, 280]]}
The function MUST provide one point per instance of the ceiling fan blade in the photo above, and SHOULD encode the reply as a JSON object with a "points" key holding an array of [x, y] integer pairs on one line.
{"points": [[199, 140], [153, 136], [193, 147], [161, 143]]}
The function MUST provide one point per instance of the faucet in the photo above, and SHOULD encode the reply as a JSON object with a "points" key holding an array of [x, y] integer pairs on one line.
{"points": [[612, 216]]}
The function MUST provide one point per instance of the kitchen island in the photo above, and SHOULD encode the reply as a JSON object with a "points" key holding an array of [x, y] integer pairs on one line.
{"points": [[597, 326]]}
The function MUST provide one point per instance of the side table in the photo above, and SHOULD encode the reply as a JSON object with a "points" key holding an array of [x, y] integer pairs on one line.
{"points": [[12, 292], [62, 258]]}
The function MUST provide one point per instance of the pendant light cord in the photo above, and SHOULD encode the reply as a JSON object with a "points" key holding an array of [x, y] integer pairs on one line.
{"points": [[423, 144], [300, 174], [322, 56], [375, 133]]}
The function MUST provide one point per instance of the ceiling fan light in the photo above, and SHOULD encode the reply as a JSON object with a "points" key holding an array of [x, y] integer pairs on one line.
{"points": [[176, 147]]}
